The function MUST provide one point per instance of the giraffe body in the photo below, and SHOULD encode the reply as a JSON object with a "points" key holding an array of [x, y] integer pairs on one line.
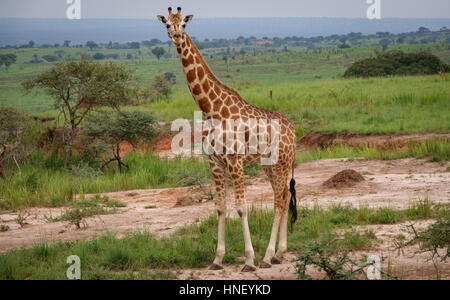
{"points": [[219, 102]]}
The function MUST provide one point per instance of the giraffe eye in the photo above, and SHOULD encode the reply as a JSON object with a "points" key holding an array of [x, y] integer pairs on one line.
{"points": [[168, 26], [184, 25]]}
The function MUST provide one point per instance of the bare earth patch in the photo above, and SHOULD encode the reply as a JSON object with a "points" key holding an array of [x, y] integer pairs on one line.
{"points": [[393, 184], [381, 141]]}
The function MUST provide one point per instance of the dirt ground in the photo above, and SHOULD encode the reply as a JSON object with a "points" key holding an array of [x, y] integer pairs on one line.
{"points": [[392, 184]]}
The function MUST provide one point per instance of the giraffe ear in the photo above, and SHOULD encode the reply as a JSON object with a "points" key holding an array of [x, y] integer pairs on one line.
{"points": [[162, 19], [188, 18]]}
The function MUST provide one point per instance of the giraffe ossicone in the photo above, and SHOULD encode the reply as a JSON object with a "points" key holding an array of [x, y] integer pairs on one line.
{"points": [[220, 104]]}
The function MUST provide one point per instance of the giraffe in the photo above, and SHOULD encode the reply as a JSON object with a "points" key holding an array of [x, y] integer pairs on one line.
{"points": [[219, 102]]}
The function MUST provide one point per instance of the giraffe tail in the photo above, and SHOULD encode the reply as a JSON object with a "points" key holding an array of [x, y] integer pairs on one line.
{"points": [[293, 202]]}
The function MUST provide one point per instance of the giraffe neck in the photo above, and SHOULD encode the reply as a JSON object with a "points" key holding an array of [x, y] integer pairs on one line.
{"points": [[212, 96]]}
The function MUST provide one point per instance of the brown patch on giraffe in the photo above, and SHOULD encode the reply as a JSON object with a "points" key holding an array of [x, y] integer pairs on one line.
{"points": [[223, 96], [204, 105], [205, 86], [212, 95], [185, 62], [179, 50], [197, 90], [190, 59], [190, 76], [183, 45], [225, 112], [234, 109], [198, 60], [186, 52], [217, 89], [228, 101], [217, 105], [200, 73]]}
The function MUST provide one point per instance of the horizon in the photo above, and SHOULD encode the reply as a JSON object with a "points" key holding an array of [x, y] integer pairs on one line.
{"points": [[16, 31]]}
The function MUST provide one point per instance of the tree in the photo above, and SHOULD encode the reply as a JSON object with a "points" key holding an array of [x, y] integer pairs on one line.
{"points": [[91, 45], [60, 53], [384, 43], [158, 52], [31, 44], [16, 139], [225, 59], [78, 88], [108, 131], [7, 60], [66, 43], [423, 29], [170, 77], [160, 87]]}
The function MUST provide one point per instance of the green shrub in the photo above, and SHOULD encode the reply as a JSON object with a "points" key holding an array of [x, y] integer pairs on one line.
{"points": [[397, 63]]}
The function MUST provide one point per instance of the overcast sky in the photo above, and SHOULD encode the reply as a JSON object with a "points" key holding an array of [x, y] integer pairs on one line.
{"points": [[147, 9]]}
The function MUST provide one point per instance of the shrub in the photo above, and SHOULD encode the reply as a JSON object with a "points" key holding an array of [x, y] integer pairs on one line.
{"points": [[397, 63]]}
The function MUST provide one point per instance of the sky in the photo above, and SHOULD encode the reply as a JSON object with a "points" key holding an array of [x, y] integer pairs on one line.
{"points": [[148, 9]]}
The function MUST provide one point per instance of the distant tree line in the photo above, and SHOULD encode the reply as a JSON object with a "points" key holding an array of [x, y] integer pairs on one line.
{"points": [[422, 36]]}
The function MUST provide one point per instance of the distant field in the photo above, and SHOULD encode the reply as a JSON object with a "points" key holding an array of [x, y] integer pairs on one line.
{"points": [[299, 68]]}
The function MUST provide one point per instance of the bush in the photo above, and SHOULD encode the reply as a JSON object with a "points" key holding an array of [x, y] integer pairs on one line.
{"points": [[160, 87], [397, 63], [98, 56]]}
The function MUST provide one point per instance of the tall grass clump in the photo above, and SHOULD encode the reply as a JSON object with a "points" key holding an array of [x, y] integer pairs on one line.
{"points": [[436, 149], [45, 182]]}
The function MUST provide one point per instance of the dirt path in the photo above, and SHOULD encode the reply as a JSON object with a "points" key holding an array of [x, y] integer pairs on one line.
{"points": [[387, 184]]}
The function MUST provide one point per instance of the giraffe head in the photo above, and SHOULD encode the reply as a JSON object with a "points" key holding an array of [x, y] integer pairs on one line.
{"points": [[175, 24]]}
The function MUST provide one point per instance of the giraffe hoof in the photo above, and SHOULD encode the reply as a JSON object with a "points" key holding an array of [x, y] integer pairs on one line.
{"points": [[275, 261], [215, 267], [248, 268], [264, 265]]}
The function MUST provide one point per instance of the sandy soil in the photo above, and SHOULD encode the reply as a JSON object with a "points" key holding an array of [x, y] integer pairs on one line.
{"points": [[387, 184]]}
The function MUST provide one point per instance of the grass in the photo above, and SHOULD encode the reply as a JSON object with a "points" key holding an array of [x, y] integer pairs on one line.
{"points": [[143, 256], [436, 150], [44, 182]]}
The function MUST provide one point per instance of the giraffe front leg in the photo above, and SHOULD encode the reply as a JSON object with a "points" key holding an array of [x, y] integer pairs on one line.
{"points": [[219, 179], [270, 252], [236, 170], [249, 252], [220, 252]]}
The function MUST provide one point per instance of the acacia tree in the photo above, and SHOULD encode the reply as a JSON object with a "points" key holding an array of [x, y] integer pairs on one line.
{"points": [[80, 87], [16, 137], [158, 52], [106, 131], [7, 60]]}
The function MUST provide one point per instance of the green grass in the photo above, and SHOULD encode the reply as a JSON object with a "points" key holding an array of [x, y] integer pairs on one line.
{"points": [[436, 150], [44, 182], [142, 256], [377, 105]]}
